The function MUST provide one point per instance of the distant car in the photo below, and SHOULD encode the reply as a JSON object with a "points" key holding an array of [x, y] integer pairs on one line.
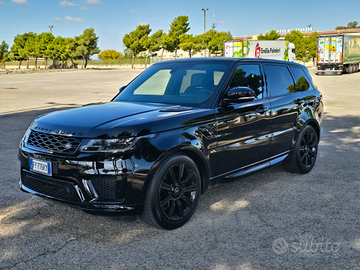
{"points": [[178, 128]]}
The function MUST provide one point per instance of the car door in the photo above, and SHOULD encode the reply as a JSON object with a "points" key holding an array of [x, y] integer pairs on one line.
{"points": [[285, 103], [243, 130]]}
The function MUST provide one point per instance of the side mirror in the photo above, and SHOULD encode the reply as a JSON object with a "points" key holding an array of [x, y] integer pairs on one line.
{"points": [[122, 88], [239, 94]]}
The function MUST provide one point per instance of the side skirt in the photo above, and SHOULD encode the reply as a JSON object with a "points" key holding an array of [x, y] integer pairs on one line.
{"points": [[252, 167]]}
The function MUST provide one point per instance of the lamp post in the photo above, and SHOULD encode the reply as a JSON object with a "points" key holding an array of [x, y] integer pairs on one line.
{"points": [[204, 9], [51, 27]]}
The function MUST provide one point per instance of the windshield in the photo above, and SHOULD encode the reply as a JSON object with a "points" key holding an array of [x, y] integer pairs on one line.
{"points": [[192, 84]]}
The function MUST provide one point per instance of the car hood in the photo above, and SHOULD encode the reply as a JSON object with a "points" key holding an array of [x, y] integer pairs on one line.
{"points": [[119, 119]]}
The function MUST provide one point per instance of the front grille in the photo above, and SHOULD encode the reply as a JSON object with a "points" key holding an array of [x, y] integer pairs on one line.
{"points": [[51, 187], [105, 186], [53, 143]]}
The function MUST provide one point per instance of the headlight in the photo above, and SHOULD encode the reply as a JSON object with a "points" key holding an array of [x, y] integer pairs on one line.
{"points": [[110, 145]]}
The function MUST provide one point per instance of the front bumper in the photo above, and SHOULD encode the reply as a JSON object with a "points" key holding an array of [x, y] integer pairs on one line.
{"points": [[99, 184], [71, 193]]}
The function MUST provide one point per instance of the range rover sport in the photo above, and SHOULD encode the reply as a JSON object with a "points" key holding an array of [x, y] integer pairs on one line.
{"points": [[174, 131]]}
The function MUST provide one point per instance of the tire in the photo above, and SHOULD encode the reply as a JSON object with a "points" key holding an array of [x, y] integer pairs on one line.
{"points": [[173, 193], [304, 153]]}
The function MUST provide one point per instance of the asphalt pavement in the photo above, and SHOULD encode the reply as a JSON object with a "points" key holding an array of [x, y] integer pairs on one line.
{"points": [[270, 220]]}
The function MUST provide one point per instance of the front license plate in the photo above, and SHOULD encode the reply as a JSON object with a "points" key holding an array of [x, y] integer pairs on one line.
{"points": [[40, 166]]}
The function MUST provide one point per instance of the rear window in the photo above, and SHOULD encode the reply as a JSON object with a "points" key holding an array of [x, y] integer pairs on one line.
{"points": [[301, 79]]}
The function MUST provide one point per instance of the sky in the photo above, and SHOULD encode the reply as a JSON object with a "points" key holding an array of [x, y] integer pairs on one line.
{"points": [[112, 19]]}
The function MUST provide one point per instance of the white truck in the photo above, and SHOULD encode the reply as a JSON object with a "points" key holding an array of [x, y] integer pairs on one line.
{"points": [[338, 54], [271, 49]]}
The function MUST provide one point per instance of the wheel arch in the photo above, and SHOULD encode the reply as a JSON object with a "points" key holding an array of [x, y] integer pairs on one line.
{"points": [[190, 151], [315, 126]]}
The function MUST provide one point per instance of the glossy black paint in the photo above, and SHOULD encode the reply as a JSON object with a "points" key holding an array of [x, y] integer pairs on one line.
{"points": [[225, 140]]}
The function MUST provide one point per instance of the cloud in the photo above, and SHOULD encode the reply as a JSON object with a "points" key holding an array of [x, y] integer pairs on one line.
{"points": [[221, 22], [133, 11], [2, 3], [93, 2], [142, 23], [68, 18], [66, 4], [83, 8], [21, 2]]}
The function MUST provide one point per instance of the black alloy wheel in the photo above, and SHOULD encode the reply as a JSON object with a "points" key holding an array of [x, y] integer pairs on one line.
{"points": [[173, 193], [304, 152]]}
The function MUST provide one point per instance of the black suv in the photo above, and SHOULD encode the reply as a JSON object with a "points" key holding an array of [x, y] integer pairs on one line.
{"points": [[175, 130]]}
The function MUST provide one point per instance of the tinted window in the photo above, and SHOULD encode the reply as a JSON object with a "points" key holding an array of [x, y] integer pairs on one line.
{"points": [[301, 81], [248, 76], [156, 85], [208, 79], [279, 80], [190, 84]]}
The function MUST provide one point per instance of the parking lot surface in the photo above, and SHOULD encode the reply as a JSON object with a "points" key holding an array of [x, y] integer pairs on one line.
{"points": [[270, 220]]}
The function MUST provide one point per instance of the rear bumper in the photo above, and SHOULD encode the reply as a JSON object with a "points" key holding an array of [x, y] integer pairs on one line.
{"points": [[329, 72], [327, 69]]}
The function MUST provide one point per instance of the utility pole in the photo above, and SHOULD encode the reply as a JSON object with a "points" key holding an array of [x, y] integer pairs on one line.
{"points": [[213, 26], [204, 9], [51, 27]]}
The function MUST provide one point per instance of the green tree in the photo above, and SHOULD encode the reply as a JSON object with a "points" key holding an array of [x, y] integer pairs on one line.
{"points": [[272, 35], [28, 50], [153, 44], [306, 46], [297, 38], [57, 50], [4, 53], [191, 44], [87, 45], [63, 53], [351, 25], [19, 52], [71, 50], [214, 41], [127, 53], [167, 44], [178, 27], [135, 40], [44, 39], [32, 48], [311, 45], [110, 54], [341, 27]]}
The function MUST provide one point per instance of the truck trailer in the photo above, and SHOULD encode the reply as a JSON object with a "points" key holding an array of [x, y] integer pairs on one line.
{"points": [[338, 54], [271, 49]]}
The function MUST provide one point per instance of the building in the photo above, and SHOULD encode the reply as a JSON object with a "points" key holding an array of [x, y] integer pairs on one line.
{"points": [[321, 33]]}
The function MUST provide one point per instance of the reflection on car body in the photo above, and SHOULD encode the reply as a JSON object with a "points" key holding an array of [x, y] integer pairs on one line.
{"points": [[177, 129]]}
